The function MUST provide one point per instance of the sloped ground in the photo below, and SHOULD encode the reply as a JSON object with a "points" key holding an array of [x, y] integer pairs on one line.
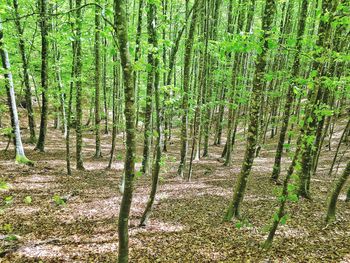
{"points": [[186, 225]]}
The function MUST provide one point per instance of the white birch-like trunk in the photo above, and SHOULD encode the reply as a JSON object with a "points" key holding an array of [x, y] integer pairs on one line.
{"points": [[20, 156]]}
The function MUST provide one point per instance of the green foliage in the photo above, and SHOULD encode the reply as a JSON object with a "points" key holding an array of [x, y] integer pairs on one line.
{"points": [[58, 200], [8, 228], [28, 199], [4, 185], [243, 223], [8, 200]]}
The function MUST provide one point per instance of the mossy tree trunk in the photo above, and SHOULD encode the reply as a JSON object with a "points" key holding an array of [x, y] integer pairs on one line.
{"points": [[290, 93], [121, 25], [315, 96], [332, 204], [186, 86], [258, 85], [153, 41], [138, 55], [149, 101]]}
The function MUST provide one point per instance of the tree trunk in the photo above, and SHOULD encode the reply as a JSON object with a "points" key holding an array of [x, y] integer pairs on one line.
{"points": [[129, 166], [186, 86], [78, 84], [258, 85], [153, 41], [97, 48], [28, 92], [20, 156], [290, 93], [44, 76], [335, 194]]}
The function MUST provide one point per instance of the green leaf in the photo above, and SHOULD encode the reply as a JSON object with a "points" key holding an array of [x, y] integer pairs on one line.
{"points": [[4, 186], [11, 238], [8, 200], [27, 199], [283, 220], [293, 198], [58, 200]]}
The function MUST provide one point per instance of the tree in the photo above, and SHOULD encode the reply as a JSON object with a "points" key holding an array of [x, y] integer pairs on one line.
{"points": [[28, 92], [234, 207], [332, 204], [78, 84], [44, 76], [186, 84], [97, 79], [20, 155], [121, 26], [153, 40], [290, 93]]}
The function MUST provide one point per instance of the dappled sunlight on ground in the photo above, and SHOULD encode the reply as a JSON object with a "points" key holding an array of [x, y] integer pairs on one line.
{"points": [[186, 222]]}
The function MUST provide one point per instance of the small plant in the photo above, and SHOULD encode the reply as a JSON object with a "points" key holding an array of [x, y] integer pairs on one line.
{"points": [[4, 185], [28, 200], [242, 223], [8, 228], [58, 200]]}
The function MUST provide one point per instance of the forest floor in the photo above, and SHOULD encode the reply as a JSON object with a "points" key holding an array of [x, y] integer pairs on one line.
{"points": [[186, 225]]}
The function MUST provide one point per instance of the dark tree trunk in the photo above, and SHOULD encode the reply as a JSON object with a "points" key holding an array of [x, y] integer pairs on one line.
{"points": [[78, 84], [44, 76]]}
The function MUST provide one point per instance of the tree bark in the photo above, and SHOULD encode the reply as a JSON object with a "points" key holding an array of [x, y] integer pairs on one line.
{"points": [[44, 76], [28, 92], [186, 86], [151, 18], [258, 85], [78, 84], [20, 155], [97, 54], [290, 93], [120, 21], [332, 205]]}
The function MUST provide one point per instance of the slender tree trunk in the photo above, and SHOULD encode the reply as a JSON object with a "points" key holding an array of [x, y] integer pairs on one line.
{"points": [[70, 98], [44, 76], [186, 86], [346, 129], [115, 109], [149, 100], [97, 48], [28, 92], [290, 93], [316, 94], [78, 84], [332, 204], [138, 54], [129, 167], [284, 196], [151, 18], [20, 155], [258, 85], [104, 84]]}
